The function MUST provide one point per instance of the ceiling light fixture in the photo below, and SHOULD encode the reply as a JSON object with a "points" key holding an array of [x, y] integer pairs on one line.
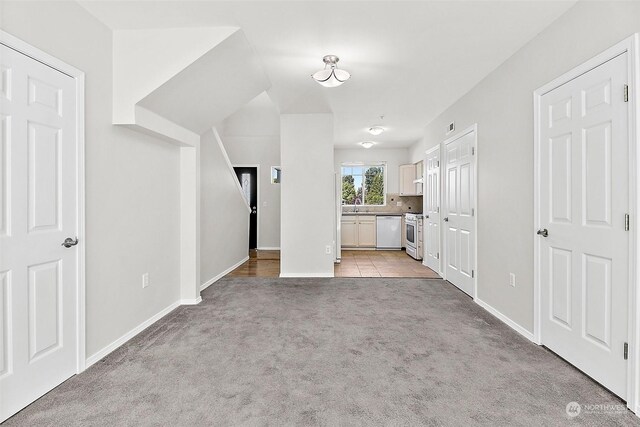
{"points": [[367, 144], [332, 76], [376, 130]]}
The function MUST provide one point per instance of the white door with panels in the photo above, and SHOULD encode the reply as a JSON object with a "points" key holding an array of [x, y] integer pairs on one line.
{"points": [[458, 220], [432, 210], [583, 208], [38, 211]]}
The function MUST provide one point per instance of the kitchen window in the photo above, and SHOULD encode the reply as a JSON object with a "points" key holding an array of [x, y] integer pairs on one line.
{"points": [[363, 184]]}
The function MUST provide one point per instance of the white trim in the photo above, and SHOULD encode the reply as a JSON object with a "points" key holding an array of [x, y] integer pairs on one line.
{"points": [[79, 76], [100, 354], [195, 301], [630, 46], [424, 208], [304, 275], [633, 388], [211, 281], [269, 248], [513, 325], [443, 246], [258, 207], [39, 55], [216, 135]]}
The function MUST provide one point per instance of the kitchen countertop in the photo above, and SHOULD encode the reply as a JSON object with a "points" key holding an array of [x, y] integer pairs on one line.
{"points": [[373, 213]]}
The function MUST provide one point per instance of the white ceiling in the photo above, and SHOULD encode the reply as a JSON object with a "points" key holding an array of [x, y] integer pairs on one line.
{"points": [[409, 60]]}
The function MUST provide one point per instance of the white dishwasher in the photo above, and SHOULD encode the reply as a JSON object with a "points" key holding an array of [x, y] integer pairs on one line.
{"points": [[388, 233]]}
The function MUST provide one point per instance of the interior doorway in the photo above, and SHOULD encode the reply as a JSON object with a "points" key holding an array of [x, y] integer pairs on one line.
{"points": [[459, 209], [584, 164], [248, 179], [41, 224], [432, 210]]}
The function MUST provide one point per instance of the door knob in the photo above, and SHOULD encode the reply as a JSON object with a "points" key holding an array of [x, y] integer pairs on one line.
{"points": [[544, 232], [446, 219], [426, 216], [68, 242]]}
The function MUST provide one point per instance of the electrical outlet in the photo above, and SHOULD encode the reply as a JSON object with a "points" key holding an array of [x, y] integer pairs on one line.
{"points": [[512, 279], [398, 203], [145, 280], [327, 249]]}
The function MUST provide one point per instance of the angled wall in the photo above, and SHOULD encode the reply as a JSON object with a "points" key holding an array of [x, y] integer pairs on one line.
{"points": [[178, 94], [145, 59], [224, 213], [211, 88], [251, 136]]}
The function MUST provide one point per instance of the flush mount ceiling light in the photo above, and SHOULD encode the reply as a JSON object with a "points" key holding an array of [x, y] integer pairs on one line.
{"points": [[332, 76], [376, 130], [367, 144]]}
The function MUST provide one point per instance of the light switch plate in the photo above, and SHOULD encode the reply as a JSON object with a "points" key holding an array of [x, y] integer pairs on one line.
{"points": [[512, 279], [145, 280], [398, 203]]}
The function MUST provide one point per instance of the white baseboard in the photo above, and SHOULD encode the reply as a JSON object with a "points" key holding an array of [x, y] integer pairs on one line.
{"points": [[191, 301], [300, 275], [267, 248], [513, 325], [132, 333], [211, 281]]}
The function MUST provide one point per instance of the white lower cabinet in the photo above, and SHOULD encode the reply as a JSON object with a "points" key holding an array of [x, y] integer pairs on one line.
{"points": [[367, 231], [358, 231], [349, 231]]}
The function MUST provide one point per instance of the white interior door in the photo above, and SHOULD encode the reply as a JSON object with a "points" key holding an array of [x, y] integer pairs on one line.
{"points": [[432, 209], [38, 210], [459, 210], [584, 197]]}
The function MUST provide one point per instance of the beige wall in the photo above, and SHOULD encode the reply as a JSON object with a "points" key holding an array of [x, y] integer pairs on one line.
{"points": [[502, 105], [132, 180]]}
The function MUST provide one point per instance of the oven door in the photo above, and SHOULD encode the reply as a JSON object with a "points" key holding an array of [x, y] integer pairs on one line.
{"points": [[412, 231]]}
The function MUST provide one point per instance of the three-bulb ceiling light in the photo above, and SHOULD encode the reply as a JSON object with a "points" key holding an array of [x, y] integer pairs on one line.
{"points": [[376, 130], [332, 76]]}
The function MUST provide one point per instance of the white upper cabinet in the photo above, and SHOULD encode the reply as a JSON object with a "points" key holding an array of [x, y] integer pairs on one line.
{"points": [[407, 176], [410, 182]]}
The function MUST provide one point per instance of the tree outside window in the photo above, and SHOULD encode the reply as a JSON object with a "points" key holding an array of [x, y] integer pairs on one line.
{"points": [[363, 185]]}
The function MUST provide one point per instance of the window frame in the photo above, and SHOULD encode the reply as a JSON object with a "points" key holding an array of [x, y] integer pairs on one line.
{"points": [[366, 165]]}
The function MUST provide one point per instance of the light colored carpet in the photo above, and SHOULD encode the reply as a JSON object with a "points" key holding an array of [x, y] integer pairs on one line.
{"points": [[326, 352]]}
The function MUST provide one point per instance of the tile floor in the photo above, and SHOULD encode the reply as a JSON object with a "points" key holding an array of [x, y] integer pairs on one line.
{"points": [[381, 264], [369, 263]]}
